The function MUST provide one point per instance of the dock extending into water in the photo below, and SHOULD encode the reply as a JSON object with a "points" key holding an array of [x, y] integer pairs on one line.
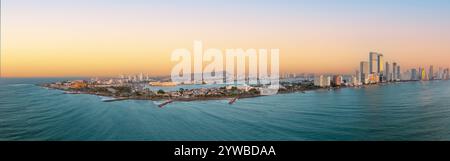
{"points": [[114, 99], [232, 101], [165, 103]]}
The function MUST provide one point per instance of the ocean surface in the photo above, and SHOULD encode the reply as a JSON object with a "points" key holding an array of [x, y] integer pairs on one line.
{"points": [[400, 111]]}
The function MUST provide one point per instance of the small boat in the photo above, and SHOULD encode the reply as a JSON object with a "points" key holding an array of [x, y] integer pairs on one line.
{"points": [[165, 103]]}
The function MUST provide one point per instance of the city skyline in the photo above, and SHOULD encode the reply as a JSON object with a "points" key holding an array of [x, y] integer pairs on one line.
{"points": [[377, 70], [108, 38]]}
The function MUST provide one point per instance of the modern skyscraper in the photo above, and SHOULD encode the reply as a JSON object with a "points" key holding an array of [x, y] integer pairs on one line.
{"points": [[373, 62], [431, 73], [413, 74], [399, 74], [440, 74], [394, 71], [423, 74], [387, 73], [364, 69], [447, 74], [419, 73], [380, 65]]}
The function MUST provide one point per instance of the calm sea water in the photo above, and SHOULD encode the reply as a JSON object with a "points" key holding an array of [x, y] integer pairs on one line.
{"points": [[403, 111]]}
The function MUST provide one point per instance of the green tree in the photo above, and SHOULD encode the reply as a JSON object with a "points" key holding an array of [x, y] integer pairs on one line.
{"points": [[161, 91], [181, 90]]}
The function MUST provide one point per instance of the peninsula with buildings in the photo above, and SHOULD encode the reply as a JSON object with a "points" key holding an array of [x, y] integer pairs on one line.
{"points": [[119, 89], [139, 87]]}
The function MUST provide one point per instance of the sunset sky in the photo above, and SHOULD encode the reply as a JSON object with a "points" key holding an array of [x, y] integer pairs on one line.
{"points": [[57, 38]]}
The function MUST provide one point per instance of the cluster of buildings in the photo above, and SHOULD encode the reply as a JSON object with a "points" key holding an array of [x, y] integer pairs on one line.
{"points": [[304, 76], [423, 75], [76, 84], [297, 78], [209, 92], [121, 80], [135, 78], [376, 70], [335, 81]]}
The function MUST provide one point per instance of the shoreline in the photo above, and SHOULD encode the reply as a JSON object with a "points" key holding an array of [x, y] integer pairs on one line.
{"points": [[244, 95], [154, 98]]}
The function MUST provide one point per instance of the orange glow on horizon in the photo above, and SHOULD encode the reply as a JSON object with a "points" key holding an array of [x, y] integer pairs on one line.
{"points": [[99, 42]]}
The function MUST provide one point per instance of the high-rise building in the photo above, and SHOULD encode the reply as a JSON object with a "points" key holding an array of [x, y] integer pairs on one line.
{"points": [[423, 74], [358, 76], [444, 74], [419, 73], [380, 69], [431, 73], [399, 74], [387, 73], [380, 65], [394, 71], [440, 74], [337, 80], [364, 69], [373, 62], [413, 74], [447, 74]]}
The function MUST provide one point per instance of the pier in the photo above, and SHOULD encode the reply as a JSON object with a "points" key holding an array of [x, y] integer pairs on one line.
{"points": [[114, 99], [165, 103], [232, 101]]}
